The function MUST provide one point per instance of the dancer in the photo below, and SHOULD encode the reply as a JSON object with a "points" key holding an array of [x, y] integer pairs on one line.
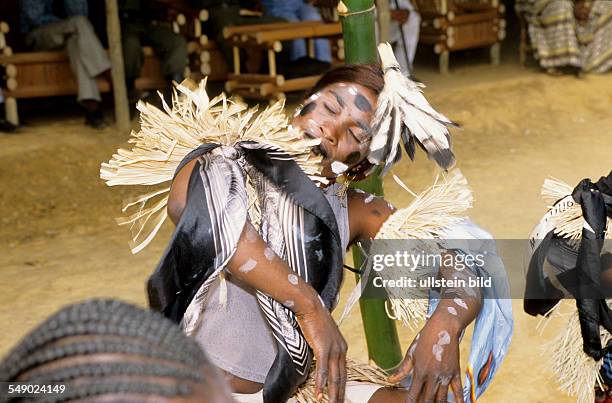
{"points": [[559, 267], [108, 350], [263, 222]]}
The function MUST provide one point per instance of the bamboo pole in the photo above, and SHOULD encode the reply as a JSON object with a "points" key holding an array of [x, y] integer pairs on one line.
{"points": [[384, 18], [122, 111], [360, 47]]}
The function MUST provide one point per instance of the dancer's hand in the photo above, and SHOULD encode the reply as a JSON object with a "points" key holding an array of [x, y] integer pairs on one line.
{"points": [[329, 347], [433, 359]]}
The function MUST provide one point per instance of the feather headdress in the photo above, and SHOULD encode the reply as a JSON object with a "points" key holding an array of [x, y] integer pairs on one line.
{"points": [[167, 136], [404, 114]]}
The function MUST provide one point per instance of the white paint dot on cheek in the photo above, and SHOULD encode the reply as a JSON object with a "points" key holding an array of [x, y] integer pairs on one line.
{"points": [[289, 303], [368, 199], [248, 266], [452, 310], [293, 279], [338, 167], [312, 122], [437, 351], [443, 338], [352, 90], [461, 303]]}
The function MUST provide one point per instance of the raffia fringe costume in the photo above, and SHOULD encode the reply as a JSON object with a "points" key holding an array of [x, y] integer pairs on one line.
{"points": [[256, 167], [564, 247]]}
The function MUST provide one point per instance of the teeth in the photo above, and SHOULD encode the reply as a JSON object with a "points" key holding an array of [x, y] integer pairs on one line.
{"points": [[338, 167]]}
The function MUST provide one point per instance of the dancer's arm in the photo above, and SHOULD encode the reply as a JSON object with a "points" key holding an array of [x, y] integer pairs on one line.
{"points": [[255, 264], [434, 369]]}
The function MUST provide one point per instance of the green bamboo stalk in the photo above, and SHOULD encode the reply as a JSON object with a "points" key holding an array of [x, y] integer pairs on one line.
{"points": [[360, 47]]}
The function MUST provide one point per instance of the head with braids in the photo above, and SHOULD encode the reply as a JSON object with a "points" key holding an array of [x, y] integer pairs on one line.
{"points": [[113, 351]]}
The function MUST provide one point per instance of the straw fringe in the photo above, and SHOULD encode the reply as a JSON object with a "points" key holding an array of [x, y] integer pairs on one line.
{"points": [[167, 136], [568, 223], [356, 371], [576, 372], [430, 215]]}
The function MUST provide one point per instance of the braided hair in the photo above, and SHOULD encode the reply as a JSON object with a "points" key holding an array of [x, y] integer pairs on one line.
{"points": [[143, 344]]}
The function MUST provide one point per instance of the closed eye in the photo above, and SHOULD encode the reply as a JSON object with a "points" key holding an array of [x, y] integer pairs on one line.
{"points": [[330, 109]]}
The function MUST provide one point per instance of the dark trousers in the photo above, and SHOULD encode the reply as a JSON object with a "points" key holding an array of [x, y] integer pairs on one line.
{"points": [[170, 47]]}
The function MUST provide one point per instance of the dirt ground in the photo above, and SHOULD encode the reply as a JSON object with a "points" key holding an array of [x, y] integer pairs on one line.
{"points": [[59, 242]]}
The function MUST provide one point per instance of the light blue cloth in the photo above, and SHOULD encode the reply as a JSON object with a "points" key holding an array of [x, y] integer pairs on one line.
{"points": [[494, 324], [298, 10]]}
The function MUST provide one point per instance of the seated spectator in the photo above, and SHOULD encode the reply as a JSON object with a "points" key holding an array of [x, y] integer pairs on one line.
{"points": [[228, 13], [45, 29], [570, 35], [299, 10], [404, 32], [136, 31], [107, 350]]}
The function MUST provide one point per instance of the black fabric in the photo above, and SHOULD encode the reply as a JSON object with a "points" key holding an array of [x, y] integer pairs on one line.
{"points": [[189, 259], [582, 278]]}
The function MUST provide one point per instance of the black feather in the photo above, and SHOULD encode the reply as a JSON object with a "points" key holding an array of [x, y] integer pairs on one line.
{"points": [[408, 140], [445, 158]]}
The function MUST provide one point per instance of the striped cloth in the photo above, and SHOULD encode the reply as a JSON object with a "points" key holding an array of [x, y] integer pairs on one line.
{"points": [[559, 39]]}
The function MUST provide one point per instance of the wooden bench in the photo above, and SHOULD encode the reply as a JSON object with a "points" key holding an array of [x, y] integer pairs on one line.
{"points": [[30, 74], [268, 38], [452, 25]]}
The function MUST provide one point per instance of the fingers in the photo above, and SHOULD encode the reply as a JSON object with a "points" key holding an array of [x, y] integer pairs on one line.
{"points": [[442, 394], [343, 375], [457, 389], [402, 371], [321, 376], [415, 389], [337, 372], [429, 393]]}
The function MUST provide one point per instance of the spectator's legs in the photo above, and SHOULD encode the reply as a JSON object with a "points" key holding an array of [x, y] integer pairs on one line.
{"points": [[307, 12], [87, 57], [132, 54], [171, 49]]}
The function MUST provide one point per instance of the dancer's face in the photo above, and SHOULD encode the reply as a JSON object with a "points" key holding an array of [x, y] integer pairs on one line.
{"points": [[340, 115]]}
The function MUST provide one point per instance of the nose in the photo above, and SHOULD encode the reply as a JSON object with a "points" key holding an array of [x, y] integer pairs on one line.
{"points": [[328, 134]]}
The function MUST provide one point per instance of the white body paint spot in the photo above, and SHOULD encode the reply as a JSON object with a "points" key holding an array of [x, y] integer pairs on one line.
{"points": [[322, 302], [251, 235], [319, 254], [437, 351], [452, 310], [369, 199], [248, 266], [338, 167], [461, 303], [289, 303], [297, 112], [352, 90], [443, 338], [269, 254], [412, 348], [314, 97], [293, 279]]}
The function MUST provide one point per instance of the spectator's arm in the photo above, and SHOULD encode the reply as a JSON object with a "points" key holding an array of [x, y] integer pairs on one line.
{"points": [[34, 13], [76, 7]]}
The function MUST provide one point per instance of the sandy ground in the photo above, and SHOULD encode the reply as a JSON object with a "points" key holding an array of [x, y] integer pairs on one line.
{"points": [[59, 242]]}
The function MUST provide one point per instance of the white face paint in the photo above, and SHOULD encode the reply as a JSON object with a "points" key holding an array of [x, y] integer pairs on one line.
{"points": [[368, 199], [293, 279], [314, 97], [338, 167], [297, 112], [461, 303], [289, 303], [352, 90], [452, 310], [437, 351], [269, 254], [248, 266]]}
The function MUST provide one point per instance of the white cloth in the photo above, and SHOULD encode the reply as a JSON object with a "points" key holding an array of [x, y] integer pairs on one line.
{"points": [[356, 392], [409, 30]]}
